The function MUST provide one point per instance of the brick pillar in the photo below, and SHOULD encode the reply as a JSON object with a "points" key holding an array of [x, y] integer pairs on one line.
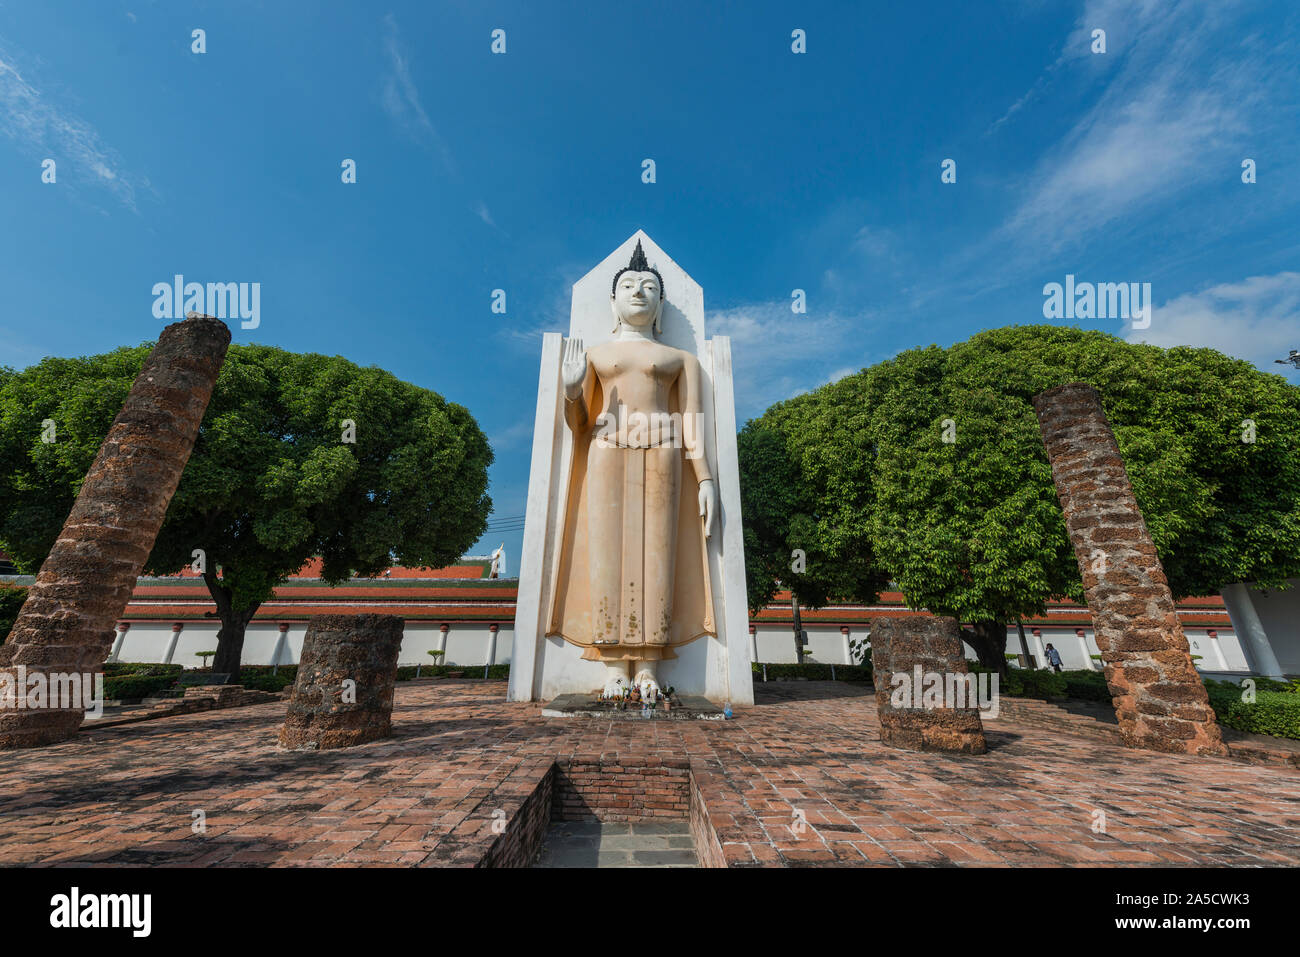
{"points": [[902, 646], [326, 713], [67, 622], [1159, 699]]}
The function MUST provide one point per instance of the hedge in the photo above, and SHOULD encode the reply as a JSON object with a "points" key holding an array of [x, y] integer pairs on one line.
{"points": [[495, 672], [1275, 711], [113, 669], [1086, 685], [1272, 712], [1028, 682], [813, 671], [131, 686], [268, 682], [267, 677]]}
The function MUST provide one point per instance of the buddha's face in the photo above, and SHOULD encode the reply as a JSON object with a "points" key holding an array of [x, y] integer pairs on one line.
{"points": [[637, 299]]}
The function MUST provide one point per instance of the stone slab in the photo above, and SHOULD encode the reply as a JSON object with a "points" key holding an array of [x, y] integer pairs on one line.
{"points": [[690, 708]]}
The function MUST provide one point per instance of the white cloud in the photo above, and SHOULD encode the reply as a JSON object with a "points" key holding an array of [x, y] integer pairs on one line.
{"points": [[1257, 319], [1177, 96], [44, 130], [401, 97], [776, 353]]}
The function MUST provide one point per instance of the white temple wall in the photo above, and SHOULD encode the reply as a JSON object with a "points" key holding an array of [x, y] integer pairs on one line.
{"points": [[467, 644]]}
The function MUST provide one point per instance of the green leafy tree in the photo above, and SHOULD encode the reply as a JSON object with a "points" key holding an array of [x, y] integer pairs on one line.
{"points": [[935, 460], [11, 601], [276, 478], [793, 538]]}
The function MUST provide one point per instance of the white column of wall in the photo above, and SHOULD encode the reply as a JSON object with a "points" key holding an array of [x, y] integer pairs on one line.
{"points": [[122, 628], [171, 645], [1215, 656], [1250, 630], [281, 640], [1040, 652], [1083, 647], [848, 654]]}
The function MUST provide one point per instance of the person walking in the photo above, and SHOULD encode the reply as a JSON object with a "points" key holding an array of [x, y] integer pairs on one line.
{"points": [[1053, 658]]}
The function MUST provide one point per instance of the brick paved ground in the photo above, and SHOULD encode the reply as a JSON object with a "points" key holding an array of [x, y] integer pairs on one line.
{"points": [[125, 795]]}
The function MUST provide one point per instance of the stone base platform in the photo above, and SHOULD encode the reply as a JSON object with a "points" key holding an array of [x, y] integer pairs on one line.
{"points": [[688, 708]]}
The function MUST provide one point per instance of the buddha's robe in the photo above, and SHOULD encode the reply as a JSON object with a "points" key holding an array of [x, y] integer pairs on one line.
{"points": [[633, 576]]}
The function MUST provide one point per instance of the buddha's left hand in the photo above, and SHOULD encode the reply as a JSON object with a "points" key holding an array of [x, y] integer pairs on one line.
{"points": [[708, 505]]}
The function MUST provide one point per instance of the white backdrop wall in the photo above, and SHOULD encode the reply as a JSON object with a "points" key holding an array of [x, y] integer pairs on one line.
{"points": [[468, 644], [776, 645]]}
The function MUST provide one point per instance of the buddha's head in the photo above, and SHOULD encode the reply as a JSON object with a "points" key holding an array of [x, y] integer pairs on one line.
{"points": [[637, 296]]}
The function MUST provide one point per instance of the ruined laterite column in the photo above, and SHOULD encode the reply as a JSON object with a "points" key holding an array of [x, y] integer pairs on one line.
{"points": [[901, 646], [324, 711], [1159, 697], [68, 621]]}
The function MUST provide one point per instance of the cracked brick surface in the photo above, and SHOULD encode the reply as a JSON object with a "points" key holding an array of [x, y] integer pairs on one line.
{"points": [[459, 752]]}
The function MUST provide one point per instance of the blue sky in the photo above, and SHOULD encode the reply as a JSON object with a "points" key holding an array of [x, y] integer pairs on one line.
{"points": [[775, 171]]}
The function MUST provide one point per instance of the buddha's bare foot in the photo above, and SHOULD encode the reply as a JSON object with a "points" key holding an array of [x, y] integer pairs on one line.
{"points": [[645, 680], [615, 680]]}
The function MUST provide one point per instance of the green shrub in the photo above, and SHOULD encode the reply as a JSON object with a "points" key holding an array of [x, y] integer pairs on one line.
{"points": [[11, 599], [114, 669], [813, 671], [1086, 685], [276, 682], [133, 686], [1027, 682], [495, 673], [267, 677], [1273, 712]]}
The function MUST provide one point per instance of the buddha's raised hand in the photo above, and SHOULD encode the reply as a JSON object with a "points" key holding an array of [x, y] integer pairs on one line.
{"points": [[575, 367]]}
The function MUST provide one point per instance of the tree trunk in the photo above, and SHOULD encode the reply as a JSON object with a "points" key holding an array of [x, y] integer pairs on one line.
{"points": [[798, 628], [989, 639], [230, 638]]}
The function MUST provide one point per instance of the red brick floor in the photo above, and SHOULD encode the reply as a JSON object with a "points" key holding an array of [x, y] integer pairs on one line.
{"points": [[806, 752]]}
